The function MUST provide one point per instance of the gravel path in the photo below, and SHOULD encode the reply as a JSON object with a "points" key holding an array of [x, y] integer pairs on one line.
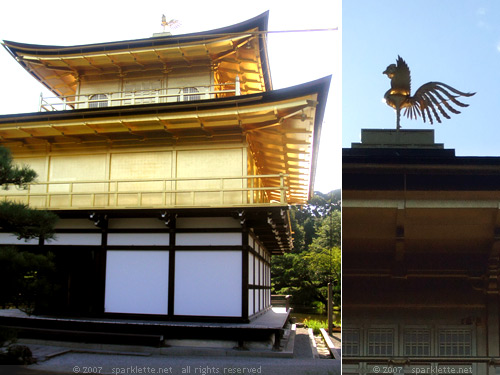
{"points": [[73, 363], [81, 363]]}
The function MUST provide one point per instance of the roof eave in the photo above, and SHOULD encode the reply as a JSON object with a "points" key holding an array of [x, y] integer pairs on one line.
{"points": [[260, 22]]}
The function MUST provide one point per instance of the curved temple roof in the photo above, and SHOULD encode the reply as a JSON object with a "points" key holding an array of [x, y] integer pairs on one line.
{"points": [[60, 67]]}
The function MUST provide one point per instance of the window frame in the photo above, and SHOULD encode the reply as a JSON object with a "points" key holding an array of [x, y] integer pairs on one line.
{"points": [[102, 100], [188, 94], [432, 341], [469, 328], [360, 343], [395, 339]]}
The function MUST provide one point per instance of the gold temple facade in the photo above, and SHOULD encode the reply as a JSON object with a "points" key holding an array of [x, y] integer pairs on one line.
{"points": [[167, 121]]}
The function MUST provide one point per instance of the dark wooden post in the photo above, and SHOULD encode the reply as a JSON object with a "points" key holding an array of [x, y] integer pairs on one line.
{"points": [[330, 308]]}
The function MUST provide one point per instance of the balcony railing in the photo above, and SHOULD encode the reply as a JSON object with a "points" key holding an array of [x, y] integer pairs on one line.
{"points": [[154, 193], [148, 96]]}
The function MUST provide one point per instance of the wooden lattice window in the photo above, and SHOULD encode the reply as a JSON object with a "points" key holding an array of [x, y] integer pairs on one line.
{"points": [[98, 101], [350, 342], [455, 342], [190, 94], [381, 341], [417, 342]]}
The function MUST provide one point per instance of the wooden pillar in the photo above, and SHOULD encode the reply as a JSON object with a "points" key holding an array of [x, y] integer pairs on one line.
{"points": [[101, 259], [172, 225], [492, 308], [244, 271], [330, 309]]}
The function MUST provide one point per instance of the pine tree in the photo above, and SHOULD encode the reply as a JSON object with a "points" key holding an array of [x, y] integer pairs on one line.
{"points": [[19, 218], [23, 274]]}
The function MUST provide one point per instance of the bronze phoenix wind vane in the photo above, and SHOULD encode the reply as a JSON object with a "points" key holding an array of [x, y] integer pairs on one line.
{"points": [[428, 98]]}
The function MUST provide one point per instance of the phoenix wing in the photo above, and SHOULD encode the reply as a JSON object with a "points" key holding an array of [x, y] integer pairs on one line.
{"points": [[434, 97], [401, 81]]}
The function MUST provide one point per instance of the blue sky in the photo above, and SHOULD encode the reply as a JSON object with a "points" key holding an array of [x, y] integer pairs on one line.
{"points": [[452, 41], [295, 58]]}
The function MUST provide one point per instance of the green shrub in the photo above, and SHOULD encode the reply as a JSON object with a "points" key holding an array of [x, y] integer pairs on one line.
{"points": [[315, 325], [319, 307]]}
